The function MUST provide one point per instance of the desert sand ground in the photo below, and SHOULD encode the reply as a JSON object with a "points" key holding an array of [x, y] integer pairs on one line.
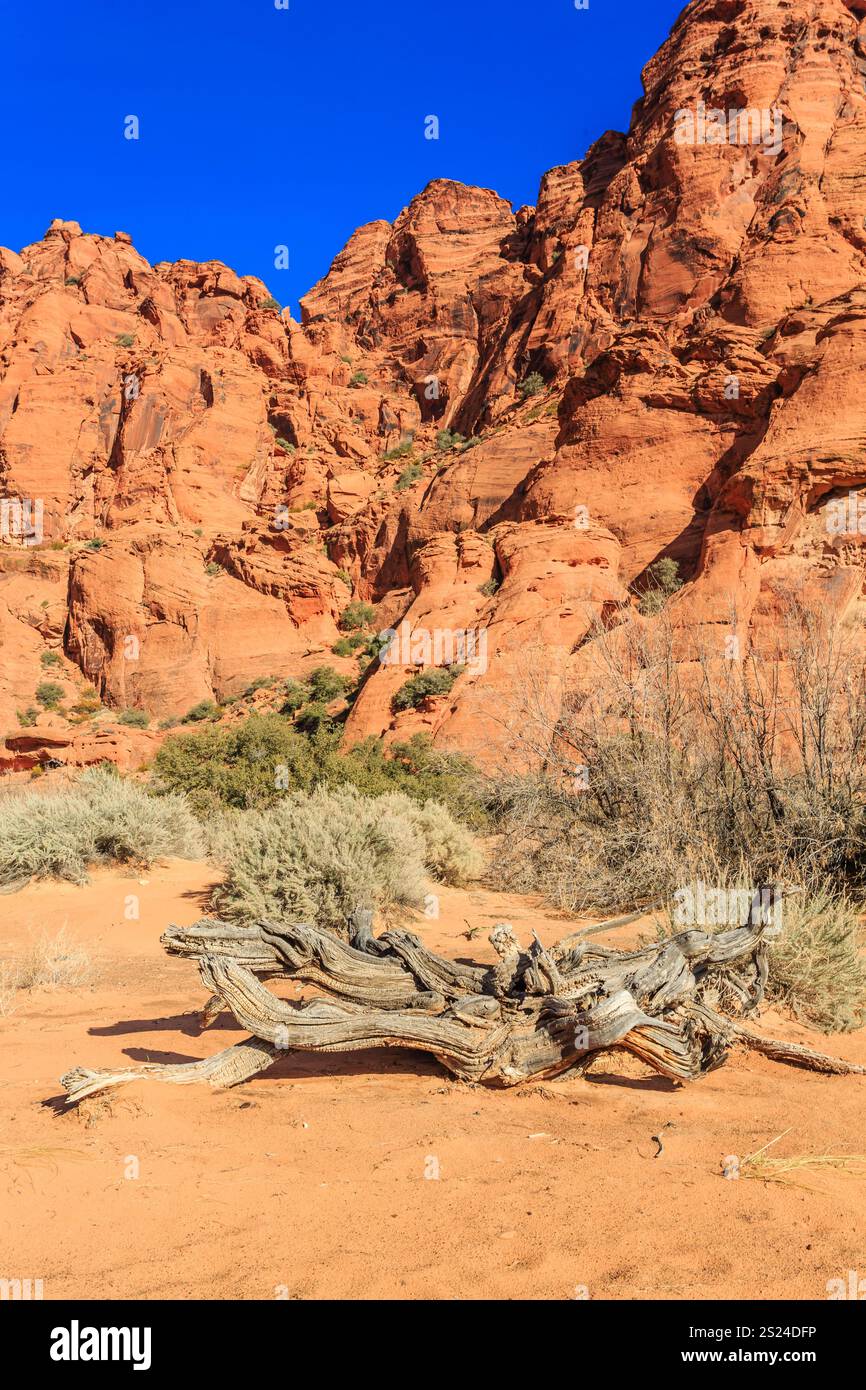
{"points": [[309, 1181]]}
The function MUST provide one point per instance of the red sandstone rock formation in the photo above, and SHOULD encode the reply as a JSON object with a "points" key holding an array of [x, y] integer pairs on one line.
{"points": [[207, 467]]}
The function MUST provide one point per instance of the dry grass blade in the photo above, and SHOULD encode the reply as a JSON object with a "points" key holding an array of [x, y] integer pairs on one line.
{"points": [[770, 1168], [42, 1155]]}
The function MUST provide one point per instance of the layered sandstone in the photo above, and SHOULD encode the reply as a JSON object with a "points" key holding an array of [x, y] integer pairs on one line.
{"points": [[212, 472]]}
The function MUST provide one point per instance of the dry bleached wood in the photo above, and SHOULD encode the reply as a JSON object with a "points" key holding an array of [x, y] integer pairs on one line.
{"points": [[535, 1013]]}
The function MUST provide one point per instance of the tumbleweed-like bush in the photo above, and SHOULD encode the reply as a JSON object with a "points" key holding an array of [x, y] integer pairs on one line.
{"points": [[316, 857], [101, 819], [817, 967]]}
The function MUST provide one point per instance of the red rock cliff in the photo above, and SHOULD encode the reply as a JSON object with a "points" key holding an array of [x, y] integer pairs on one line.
{"points": [[210, 472]]}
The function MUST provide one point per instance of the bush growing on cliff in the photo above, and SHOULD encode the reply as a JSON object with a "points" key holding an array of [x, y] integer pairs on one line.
{"points": [[414, 691], [409, 476], [663, 580], [100, 820], [347, 646], [400, 451], [317, 857], [49, 694], [296, 695], [357, 615], [325, 685], [448, 439], [205, 709], [134, 718], [531, 385]]}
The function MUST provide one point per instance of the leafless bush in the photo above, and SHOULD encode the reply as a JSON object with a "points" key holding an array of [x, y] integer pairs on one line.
{"points": [[667, 762], [10, 983], [53, 961]]}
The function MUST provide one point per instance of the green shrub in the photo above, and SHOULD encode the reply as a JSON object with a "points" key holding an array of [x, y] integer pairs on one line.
{"points": [[236, 767], [314, 718], [357, 615], [125, 340], [270, 303], [437, 681], [49, 694], [531, 385], [401, 451], [101, 819], [212, 569], [95, 543], [285, 445], [261, 683], [325, 684], [448, 439], [205, 709], [49, 659], [347, 646], [664, 580], [490, 588], [296, 696], [409, 476], [27, 717], [72, 280], [358, 379], [318, 857], [345, 578], [134, 718]]}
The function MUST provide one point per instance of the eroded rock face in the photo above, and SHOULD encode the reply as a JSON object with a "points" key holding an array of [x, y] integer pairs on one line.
{"points": [[692, 295]]}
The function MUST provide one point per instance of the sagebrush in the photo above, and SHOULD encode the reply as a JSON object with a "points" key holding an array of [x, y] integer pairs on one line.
{"points": [[101, 819], [315, 858]]}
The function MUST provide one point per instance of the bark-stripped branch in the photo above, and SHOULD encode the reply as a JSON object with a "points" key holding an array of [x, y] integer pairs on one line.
{"points": [[676, 1004]]}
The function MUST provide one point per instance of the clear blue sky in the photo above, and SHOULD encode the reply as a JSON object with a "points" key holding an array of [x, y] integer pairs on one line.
{"points": [[261, 127]]}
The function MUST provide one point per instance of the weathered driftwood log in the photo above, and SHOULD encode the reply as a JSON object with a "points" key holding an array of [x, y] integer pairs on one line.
{"points": [[533, 1014]]}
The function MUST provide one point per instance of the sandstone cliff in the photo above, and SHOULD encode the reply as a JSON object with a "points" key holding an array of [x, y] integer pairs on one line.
{"points": [[213, 476]]}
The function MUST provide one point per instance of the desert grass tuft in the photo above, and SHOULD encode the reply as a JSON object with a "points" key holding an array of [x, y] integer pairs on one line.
{"points": [[53, 961]]}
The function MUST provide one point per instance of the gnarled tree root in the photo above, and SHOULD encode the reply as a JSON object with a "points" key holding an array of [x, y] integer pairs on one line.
{"points": [[534, 1014]]}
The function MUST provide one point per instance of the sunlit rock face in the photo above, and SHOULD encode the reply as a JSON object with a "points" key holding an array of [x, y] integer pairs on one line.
{"points": [[183, 465]]}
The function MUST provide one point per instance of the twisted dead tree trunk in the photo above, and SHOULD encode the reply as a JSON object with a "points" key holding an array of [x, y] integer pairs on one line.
{"points": [[535, 1013]]}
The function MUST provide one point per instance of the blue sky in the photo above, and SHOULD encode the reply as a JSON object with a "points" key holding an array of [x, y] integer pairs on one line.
{"points": [[262, 127]]}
